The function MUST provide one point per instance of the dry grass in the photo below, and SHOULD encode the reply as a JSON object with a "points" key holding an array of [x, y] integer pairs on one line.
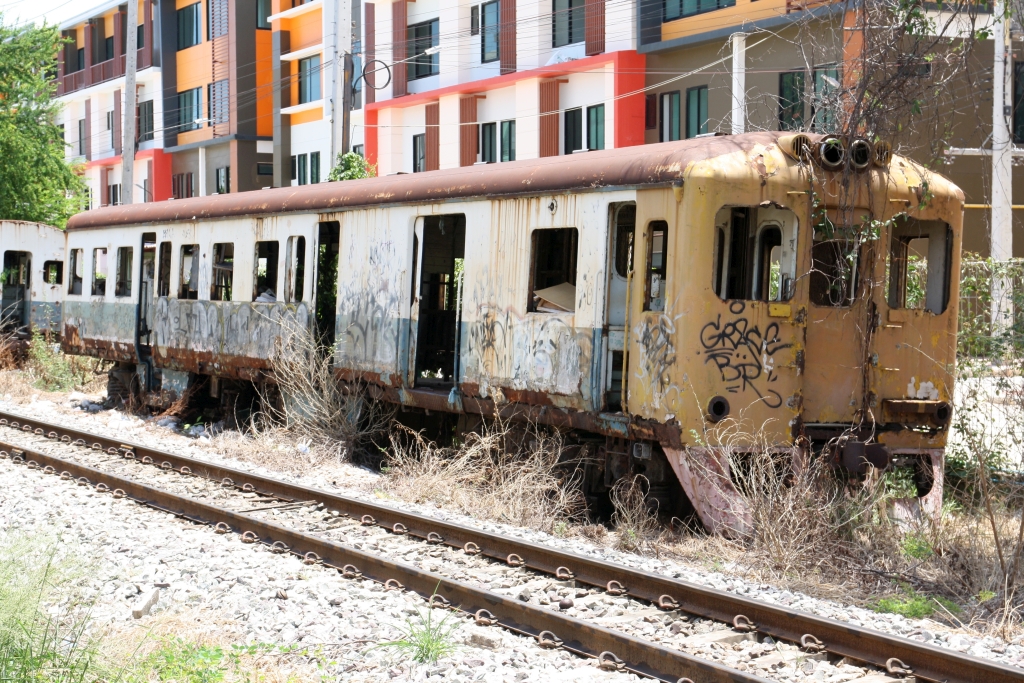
{"points": [[519, 475], [636, 524]]}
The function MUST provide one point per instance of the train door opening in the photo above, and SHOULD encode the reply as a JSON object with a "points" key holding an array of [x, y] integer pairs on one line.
{"points": [[16, 288], [620, 266], [147, 288], [328, 248], [440, 301]]}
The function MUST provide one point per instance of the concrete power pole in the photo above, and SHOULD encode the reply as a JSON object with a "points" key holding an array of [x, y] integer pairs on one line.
{"points": [[1001, 236], [739, 83], [130, 69]]}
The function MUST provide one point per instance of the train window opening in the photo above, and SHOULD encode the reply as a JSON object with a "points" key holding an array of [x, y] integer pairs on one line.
{"points": [[163, 282], [440, 314], [295, 277], [189, 272], [834, 265], [553, 285], [123, 281], [15, 287], [264, 290], [223, 271], [625, 224], [918, 265], [75, 274], [328, 248], [755, 253], [53, 272], [657, 247], [99, 271]]}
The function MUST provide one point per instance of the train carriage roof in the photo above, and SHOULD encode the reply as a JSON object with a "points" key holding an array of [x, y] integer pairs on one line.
{"points": [[624, 167]]}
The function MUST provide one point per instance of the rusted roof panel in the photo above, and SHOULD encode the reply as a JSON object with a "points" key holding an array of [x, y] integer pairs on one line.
{"points": [[628, 166]]}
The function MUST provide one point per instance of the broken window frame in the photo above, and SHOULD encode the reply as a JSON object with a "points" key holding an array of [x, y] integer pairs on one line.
{"points": [[567, 270], [295, 271], [222, 275], [53, 272], [99, 281], [655, 275], [188, 288], [76, 274], [271, 279], [751, 280], [163, 283], [123, 281], [849, 251], [936, 288]]}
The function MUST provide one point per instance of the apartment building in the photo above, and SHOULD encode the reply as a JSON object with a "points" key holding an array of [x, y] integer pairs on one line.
{"points": [[90, 84]]}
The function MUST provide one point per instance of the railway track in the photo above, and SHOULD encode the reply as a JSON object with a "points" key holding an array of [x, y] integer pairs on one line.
{"points": [[816, 636]]}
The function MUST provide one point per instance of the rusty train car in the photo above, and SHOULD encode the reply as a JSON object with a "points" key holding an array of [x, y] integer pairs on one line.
{"points": [[642, 299], [33, 273]]}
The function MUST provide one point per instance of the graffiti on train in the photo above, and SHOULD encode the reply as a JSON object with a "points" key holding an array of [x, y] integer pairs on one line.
{"points": [[227, 330], [655, 336], [744, 354], [369, 310]]}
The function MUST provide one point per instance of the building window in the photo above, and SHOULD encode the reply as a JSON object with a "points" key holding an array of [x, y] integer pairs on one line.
{"points": [[650, 112], [573, 130], [309, 79], [110, 127], [81, 58], [674, 9], [474, 20], [219, 102], [824, 105], [140, 36], [190, 109], [508, 140], [567, 22], [99, 272], [182, 186], [108, 48], [75, 273], [123, 283], [264, 168], [553, 287], [146, 121], [189, 272], [422, 37], [489, 32], [223, 178], [595, 127], [657, 246], [264, 290], [696, 111], [114, 194], [190, 26], [82, 139], [314, 167], [671, 117], [294, 175], [1018, 102], [419, 153], [489, 143], [263, 12], [791, 100], [303, 176], [357, 149], [223, 271]]}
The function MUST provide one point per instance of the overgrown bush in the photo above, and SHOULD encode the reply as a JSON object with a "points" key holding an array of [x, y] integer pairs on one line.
{"points": [[52, 370]]}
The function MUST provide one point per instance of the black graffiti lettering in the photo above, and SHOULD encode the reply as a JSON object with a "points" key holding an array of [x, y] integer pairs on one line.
{"points": [[739, 351]]}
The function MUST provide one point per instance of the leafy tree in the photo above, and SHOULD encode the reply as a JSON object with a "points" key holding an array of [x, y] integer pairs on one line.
{"points": [[350, 166], [36, 183]]}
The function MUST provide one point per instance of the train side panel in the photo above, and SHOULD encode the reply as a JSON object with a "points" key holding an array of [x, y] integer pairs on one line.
{"points": [[33, 268]]}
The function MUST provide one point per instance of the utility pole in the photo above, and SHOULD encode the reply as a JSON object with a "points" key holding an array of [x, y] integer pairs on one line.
{"points": [[739, 83], [130, 69], [346, 104], [1001, 229]]}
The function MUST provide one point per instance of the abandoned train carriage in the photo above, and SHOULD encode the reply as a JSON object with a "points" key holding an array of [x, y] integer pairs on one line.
{"points": [[637, 296], [32, 277]]}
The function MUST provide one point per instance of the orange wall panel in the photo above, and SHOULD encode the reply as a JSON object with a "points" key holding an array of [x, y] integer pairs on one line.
{"points": [[195, 66], [204, 133], [264, 84], [743, 10], [307, 116], [306, 29]]}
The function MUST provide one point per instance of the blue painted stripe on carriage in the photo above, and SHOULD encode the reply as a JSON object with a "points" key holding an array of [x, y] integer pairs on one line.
{"points": [[45, 315], [106, 320]]}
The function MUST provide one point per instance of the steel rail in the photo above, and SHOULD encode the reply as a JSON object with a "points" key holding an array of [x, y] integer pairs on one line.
{"points": [[615, 650], [895, 654]]}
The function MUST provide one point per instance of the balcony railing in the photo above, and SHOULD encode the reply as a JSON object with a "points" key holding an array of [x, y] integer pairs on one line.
{"points": [[104, 71]]}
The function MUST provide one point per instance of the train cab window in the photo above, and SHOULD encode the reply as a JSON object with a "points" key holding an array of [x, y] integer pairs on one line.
{"points": [[755, 253], [295, 275], [123, 283], [75, 274], [189, 273], [833, 280], [223, 271], [553, 286], [99, 272], [657, 253], [918, 265], [163, 278], [264, 289], [53, 272]]}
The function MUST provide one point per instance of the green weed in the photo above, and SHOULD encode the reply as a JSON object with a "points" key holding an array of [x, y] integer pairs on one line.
{"points": [[913, 605], [183, 662], [425, 640], [917, 547], [52, 370]]}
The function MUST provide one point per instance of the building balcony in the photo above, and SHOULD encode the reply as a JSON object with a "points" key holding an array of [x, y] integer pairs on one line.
{"points": [[102, 72]]}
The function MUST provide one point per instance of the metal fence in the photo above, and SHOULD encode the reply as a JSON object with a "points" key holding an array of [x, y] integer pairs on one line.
{"points": [[978, 337]]}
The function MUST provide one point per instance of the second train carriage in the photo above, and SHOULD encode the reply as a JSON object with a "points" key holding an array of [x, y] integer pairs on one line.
{"points": [[637, 296], [32, 278]]}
